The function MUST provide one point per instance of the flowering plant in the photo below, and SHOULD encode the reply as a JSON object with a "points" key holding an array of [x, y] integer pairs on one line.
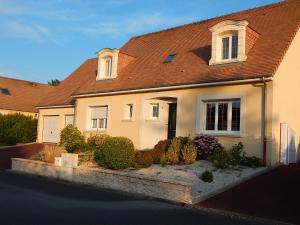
{"points": [[207, 145]]}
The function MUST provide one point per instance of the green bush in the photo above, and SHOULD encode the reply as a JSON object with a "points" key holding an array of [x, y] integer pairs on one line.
{"points": [[189, 153], [71, 139], [17, 128], [221, 159], [143, 159], [173, 152], [160, 150], [96, 140], [252, 162], [207, 176], [236, 154], [115, 153]]}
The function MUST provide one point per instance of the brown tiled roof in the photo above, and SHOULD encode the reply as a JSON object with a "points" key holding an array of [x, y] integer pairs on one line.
{"points": [[275, 24], [23, 95]]}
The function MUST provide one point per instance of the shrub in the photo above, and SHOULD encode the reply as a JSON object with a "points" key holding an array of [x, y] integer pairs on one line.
{"points": [[207, 176], [252, 162], [71, 139], [115, 153], [49, 153], [143, 159], [207, 145], [189, 153], [97, 140], [17, 128], [173, 153], [236, 154], [87, 156], [160, 150], [221, 159]]}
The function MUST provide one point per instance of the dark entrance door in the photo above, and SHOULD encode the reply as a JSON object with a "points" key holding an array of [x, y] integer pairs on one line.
{"points": [[172, 120]]}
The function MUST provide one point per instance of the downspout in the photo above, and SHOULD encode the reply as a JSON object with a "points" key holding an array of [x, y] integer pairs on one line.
{"points": [[263, 121]]}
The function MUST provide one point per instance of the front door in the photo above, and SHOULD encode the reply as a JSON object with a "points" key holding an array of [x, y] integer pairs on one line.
{"points": [[172, 120]]}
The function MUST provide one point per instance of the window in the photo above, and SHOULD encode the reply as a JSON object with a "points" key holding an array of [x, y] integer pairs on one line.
{"points": [[99, 117], [108, 65], [155, 111], [128, 112], [223, 116], [69, 119], [230, 46], [170, 58], [5, 91]]}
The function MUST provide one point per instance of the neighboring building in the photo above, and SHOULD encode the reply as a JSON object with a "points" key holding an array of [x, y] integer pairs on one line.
{"points": [[235, 77], [20, 96]]}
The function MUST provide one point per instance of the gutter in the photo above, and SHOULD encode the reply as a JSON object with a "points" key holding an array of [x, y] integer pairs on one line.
{"points": [[254, 80]]}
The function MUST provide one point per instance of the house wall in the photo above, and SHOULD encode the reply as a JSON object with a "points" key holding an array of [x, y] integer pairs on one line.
{"points": [[286, 91], [5, 111], [145, 133], [61, 112]]}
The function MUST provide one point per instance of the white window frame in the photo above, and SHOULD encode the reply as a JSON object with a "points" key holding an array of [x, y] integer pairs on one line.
{"points": [[127, 116], [97, 128], [108, 71], [152, 105], [69, 115], [230, 47], [201, 114]]}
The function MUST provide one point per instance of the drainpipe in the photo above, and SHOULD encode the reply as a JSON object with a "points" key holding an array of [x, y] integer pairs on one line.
{"points": [[263, 121]]}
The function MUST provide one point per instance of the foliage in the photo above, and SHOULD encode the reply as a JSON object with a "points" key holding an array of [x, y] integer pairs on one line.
{"points": [[221, 159], [94, 141], [87, 156], [115, 153], [160, 150], [207, 176], [236, 154], [143, 159], [207, 145], [252, 162], [49, 153], [173, 152], [71, 139], [189, 153], [54, 82], [17, 128]]}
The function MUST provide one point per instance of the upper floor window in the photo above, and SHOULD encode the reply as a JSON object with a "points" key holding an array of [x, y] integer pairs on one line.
{"points": [[107, 64], [228, 42], [230, 46]]}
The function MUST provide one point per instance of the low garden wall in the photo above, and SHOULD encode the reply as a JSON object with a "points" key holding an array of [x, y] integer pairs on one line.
{"points": [[18, 151], [117, 180]]}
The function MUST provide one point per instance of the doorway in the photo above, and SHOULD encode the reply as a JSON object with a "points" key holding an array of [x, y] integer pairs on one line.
{"points": [[172, 120]]}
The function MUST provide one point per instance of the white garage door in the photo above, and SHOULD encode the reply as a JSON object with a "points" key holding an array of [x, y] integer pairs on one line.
{"points": [[51, 127]]}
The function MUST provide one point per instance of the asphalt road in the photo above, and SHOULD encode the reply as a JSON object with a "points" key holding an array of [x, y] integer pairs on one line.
{"points": [[38, 201]]}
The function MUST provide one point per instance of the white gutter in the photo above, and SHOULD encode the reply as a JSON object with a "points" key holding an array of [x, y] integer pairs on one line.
{"points": [[254, 80], [54, 106]]}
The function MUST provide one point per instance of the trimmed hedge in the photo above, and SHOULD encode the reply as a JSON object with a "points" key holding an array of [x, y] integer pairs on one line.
{"points": [[115, 153], [71, 139], [17, 128]]}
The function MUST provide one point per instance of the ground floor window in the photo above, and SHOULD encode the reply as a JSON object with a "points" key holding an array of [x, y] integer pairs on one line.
{"points": [[155, 110], [99, 117], [223, 116], [69, 120]]}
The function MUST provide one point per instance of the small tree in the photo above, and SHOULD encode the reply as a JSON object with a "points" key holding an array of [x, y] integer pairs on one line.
{"points": [[71, 139], [54, 82]]}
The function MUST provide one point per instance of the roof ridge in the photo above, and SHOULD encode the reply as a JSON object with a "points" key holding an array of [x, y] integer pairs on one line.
{"points": [[273, 5], [21, 80]]}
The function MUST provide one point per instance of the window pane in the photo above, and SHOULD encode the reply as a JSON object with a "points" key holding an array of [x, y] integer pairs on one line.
{"points": [[94, 123], [210, 116], [155, 110], [236, 111], [225, 48], [108, 68], [234, 50], [102, 123], [70, 120], [130, 110], [222, 116]]}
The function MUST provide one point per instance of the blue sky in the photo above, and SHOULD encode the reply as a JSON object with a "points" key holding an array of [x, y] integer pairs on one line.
{"points": [[42, 40]]}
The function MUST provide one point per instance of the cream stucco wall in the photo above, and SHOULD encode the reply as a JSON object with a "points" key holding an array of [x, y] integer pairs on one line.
{"points": [[61, 112], [145, 132], [286, 91], [5, 111]]}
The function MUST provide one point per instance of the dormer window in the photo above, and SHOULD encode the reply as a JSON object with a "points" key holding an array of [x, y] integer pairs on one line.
{"points": [[230, 46], [228, 42], [107, 64]]}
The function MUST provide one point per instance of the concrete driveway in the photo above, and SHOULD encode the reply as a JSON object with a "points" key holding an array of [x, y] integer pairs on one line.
{"points": [[32, 200]]}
